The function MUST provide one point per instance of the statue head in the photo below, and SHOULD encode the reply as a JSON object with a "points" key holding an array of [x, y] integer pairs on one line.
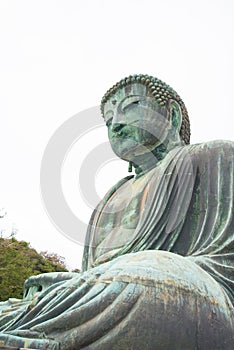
{"points": [[143, 113]]}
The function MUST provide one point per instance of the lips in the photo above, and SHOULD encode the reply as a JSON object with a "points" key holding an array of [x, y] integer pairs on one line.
{"points": [[118, 133]]}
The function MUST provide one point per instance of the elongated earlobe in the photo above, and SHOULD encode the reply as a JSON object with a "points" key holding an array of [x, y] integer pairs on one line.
{"points": [[176, 115], [130, 167]]}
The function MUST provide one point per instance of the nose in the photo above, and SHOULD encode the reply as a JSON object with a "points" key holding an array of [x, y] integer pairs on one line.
{"points": [[117, 127]]}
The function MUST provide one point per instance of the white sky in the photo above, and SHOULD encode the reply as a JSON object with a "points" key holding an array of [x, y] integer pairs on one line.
{"points": [[59, 57]]}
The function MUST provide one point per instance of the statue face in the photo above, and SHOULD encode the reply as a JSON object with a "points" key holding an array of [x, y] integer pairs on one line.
{"points": [[136, 123]]}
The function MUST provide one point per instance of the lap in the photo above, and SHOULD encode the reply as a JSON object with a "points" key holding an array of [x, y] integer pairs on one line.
{"points": [[137, 300]]}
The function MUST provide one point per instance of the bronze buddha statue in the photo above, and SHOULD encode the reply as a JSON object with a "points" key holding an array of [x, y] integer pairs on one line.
{"points": [[158, 260]]}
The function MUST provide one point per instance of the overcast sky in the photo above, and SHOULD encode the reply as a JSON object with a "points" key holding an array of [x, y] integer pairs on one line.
{"points": [[59, 57]]}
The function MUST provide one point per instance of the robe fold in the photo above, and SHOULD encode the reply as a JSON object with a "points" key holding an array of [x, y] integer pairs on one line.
{"points": [[189, 211], [167, 282]]}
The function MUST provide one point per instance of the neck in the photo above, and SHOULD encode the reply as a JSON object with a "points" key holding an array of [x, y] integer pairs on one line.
{"points": [[148, 161]]}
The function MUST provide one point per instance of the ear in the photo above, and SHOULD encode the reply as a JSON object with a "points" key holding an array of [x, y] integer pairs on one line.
{"points": [[175, 114]]}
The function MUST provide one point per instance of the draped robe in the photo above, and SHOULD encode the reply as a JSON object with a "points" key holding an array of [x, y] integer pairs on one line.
{"points": [[161, 276]]}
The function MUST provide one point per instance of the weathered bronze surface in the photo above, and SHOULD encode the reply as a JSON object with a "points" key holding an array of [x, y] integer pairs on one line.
{"points": [[158, 262]]}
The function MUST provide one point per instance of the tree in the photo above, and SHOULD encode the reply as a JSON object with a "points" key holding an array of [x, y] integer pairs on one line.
{"points": [[18, 261], [5, 232], [54, 258]]}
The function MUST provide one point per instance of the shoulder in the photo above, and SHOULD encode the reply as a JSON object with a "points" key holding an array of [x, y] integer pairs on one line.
{"points": [[211, 147], [213, 144], [212, 154]]}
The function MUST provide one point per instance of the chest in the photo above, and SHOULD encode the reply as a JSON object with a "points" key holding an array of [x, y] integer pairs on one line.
{"points": [[124, 208]]}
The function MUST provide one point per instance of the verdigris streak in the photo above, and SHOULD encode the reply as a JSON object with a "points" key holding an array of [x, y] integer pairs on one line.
{"points": [[159, 256]]}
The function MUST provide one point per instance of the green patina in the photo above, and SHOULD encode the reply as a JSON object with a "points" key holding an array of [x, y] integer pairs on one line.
{"points": [[158, 259], [160, 91]]}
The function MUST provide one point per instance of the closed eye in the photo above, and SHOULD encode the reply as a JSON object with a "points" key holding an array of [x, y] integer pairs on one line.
{"points": [[130, 102]]}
